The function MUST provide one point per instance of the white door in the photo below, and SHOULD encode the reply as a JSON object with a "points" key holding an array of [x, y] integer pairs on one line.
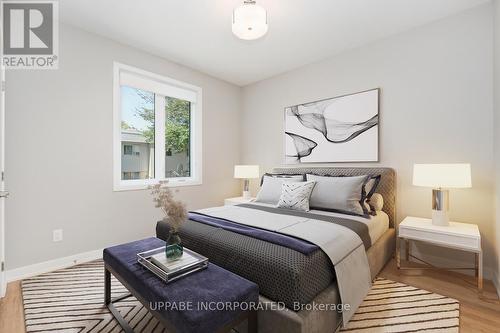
{"points": [[3, 193]]}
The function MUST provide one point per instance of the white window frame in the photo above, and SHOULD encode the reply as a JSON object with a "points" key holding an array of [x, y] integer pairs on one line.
{"points": [[164, 84]]}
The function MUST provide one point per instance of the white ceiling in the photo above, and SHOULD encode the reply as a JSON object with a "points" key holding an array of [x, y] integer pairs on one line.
{"points": [[197, 33]]}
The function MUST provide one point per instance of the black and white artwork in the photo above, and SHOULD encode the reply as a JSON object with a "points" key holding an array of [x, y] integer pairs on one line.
{"points": [[339, 129]]}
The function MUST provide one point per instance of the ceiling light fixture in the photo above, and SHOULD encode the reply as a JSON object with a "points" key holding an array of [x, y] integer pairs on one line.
{"points": [[249, 21]]}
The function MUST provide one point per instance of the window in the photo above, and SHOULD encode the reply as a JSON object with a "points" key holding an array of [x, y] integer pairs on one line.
{"points": [[127, 150], [131, 175], [157, 130]]}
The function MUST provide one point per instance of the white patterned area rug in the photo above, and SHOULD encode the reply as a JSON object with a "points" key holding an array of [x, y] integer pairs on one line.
{"points": [[396, 307], [72, 300]]}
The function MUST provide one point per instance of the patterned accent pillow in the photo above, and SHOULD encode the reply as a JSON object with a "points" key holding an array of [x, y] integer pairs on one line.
{"points": [[296, 195]]}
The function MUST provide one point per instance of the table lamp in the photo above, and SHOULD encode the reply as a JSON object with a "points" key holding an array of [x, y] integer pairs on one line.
{"points": [[441, 177], [246, 172]]}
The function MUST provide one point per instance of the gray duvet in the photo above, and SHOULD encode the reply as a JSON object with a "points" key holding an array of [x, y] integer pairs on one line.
{"points": [[283, 275]]}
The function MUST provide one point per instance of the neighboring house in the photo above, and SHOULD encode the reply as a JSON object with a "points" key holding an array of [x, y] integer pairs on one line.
{"points": [[138, 158], [137, 155]]}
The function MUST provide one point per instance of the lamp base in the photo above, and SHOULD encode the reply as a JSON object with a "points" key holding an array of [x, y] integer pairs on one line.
{"points": [[440, 217], [440, 207], [246, 189]]}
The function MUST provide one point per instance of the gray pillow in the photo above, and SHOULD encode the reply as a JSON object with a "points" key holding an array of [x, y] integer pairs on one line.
{"points": [[295, 195], [270, 192], [282, 175], [338, 194]]}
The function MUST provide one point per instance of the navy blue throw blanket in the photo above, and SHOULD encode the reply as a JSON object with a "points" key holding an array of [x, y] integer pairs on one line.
{"points": [[199, 290], [290, 242]]}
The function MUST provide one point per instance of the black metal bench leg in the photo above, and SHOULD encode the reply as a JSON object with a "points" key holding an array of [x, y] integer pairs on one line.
{"points": [[109, 303], [107, 286]]}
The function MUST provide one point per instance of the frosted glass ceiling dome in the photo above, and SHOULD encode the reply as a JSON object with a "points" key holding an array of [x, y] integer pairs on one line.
{"points": [[249, 21]]}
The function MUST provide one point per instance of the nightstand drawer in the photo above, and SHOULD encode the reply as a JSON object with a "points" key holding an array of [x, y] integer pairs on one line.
{"points": [[462, 242], [462, 236]]}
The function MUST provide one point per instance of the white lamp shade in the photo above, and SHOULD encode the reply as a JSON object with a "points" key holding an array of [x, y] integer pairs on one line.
{"points": [[249, 21], [442, 175], [246, 171]]}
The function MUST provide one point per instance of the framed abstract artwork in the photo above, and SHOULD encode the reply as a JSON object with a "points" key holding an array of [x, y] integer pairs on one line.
{"points": [[338, 129]]}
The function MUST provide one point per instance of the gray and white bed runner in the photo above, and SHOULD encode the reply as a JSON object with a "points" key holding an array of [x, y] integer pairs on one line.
{"points": [[335, 236], [361, 229]]}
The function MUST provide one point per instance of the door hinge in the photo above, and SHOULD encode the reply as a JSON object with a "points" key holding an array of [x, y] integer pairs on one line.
{"points": [[3, 266], [3, 176]]}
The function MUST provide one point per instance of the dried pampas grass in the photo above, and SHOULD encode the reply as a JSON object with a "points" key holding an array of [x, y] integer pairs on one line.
{"points": [[175, 211]]}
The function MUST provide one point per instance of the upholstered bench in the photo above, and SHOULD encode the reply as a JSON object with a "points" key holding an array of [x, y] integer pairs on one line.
{"points": [[210, 300]]}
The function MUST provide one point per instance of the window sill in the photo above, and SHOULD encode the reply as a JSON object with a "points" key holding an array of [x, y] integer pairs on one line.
{"points": [[137, 185]]}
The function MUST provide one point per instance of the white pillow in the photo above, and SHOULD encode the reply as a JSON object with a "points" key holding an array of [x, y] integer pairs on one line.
{"points": [[270, 192], [340, 194], [296, 195]]}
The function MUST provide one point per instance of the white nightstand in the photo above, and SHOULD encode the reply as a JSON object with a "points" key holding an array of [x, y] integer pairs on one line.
{"points": [[460, 236], [237, 201]]}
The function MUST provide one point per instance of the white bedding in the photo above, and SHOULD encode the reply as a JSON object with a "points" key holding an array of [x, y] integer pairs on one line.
{"points": [[377, 225]]}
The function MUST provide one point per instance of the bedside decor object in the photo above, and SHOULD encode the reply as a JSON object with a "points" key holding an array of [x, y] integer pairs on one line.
{"points": [[175, 214], [246, 172], [441, 177], [338, 129]]}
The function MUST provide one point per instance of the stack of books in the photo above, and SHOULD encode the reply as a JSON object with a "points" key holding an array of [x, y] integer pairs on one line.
{"points": [[160, 260], [156, 261]]}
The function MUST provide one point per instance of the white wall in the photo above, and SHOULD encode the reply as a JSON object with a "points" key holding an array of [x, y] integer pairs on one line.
{"points": [[436, 106], [59, 151], [497, 134]]}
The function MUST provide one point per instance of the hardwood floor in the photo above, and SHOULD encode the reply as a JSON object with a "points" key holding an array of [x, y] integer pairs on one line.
{"points": [[477, 313], [11, 310]]}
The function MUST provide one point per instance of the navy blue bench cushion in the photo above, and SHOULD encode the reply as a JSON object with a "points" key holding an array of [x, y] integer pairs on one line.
{"points": [[213, 284]]}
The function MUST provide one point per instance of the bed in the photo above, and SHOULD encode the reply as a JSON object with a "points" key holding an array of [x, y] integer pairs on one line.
{"points": [[292, 279]]}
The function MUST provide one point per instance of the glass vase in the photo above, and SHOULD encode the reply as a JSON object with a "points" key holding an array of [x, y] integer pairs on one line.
{"points": [[173, 248]]}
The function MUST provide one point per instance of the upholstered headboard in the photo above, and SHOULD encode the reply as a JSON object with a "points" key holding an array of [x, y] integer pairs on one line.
{"points": [[387, 186]]}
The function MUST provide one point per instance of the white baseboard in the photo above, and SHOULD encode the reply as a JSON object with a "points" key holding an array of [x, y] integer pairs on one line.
{"points": [[3, 285], [51, 265]]}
